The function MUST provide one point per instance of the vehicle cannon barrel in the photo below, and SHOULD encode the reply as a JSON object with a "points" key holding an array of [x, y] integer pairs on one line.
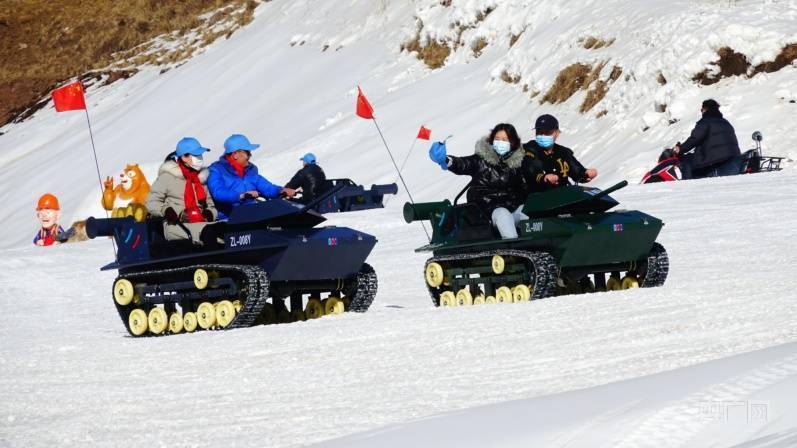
{"points": [[422, 211], [106, 226]]}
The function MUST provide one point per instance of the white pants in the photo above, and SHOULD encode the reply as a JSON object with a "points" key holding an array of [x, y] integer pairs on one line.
{"points": [[506, 221]]}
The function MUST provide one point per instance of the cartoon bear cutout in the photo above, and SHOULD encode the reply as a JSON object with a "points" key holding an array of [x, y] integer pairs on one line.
{"points": [[127, 198]]}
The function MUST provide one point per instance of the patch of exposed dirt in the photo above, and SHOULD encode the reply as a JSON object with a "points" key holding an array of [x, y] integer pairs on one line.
{"points": [[44, 43], [732, 63]]}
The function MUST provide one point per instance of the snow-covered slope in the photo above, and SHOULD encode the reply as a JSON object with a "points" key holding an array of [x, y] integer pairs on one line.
{"points": [[741, 401], [274, 82], [71, 376]]}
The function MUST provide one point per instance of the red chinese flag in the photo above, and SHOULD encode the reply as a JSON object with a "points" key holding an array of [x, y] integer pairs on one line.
{"points": [[69, 97], [424, 133], [364, 108]]}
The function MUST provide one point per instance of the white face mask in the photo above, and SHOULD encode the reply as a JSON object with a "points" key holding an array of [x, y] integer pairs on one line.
{"points": [[195, 162]]}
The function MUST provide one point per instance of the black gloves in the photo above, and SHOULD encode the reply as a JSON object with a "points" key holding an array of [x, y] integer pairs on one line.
{"points": [[207, 214], [171, 216]]}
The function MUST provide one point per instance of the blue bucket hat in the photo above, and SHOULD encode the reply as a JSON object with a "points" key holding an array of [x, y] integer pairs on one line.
{"points": [[308, 158], [238, 142], [189, 145]]}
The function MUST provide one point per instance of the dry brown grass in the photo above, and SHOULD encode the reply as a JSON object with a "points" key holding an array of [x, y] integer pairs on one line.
{"points": [[577, 77], [731, 63], [479, 46], [600, 89], [433, 53], [514, 38], [569, 81], [46, 42], [594, 43], [510, 78]]}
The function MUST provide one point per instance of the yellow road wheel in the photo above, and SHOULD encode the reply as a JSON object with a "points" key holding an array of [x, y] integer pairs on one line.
{"points": [[138, 322], [201, 278], [498, 264], [118, 212], [237, 305], [206, 315], [613, 284], [490, 299], [479, 300], [268, 315], [314, 308], [464, 297], [123, 292], [158, 320], [298, 315], [225, 313], [448, 298], [521, 293], [190, 322], [504, 295], [434, 274], [333, 305], [630, 281], [176, 323], [129, 210]]}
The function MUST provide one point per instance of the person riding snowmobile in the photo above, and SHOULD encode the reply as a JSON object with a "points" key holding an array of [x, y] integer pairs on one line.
{"points": [[716, 149], [496, 185]]}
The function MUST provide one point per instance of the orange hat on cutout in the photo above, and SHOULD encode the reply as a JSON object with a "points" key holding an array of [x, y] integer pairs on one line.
{"points": [[48, 200]]}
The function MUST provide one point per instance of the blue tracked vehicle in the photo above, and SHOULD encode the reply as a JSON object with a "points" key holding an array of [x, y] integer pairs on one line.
{"points": [[275, 265]]}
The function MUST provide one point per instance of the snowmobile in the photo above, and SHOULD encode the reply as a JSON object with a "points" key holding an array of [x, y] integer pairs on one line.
{"points": [[273, 253], [570, 244], [753, 161], [350, 197]]}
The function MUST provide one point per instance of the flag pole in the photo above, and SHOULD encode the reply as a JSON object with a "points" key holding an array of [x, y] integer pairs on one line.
{"points": [[407, 157], [94, 150], [404, 163], [399, 172], [97, 166]]}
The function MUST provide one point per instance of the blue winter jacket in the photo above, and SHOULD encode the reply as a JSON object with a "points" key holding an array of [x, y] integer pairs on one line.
{"points": [[226, 186]]}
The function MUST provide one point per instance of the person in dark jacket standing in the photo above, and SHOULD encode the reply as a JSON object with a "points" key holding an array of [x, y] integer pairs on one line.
{"points": [[548, 164], [496, 181], [716, 149], [310, 179]]}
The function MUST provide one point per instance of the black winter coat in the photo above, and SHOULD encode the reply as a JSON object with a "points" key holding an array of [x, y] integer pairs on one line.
{"points": [[311, 179], [714, 139], [496, 181], [561, 161]]}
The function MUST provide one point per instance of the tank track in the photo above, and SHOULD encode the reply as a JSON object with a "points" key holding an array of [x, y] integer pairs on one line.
{"points": [[658, 267], [256, 288], [364, 292], [544, 275]]}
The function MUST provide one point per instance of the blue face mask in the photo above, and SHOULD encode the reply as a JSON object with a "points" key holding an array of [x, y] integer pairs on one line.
{"points": [[545, 141], [501, 147]]}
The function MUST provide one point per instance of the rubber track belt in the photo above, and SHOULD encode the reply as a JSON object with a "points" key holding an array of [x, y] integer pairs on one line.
{"points": [[543, 263], [364, 289], [256, 296], [658, 267]]}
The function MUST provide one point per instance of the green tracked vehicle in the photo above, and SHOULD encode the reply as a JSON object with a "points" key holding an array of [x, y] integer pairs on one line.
{"points": [[570, 244]]}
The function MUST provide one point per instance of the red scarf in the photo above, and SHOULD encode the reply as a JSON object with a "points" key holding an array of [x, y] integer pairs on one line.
{"points": [[235, 165], [194, 193]]}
